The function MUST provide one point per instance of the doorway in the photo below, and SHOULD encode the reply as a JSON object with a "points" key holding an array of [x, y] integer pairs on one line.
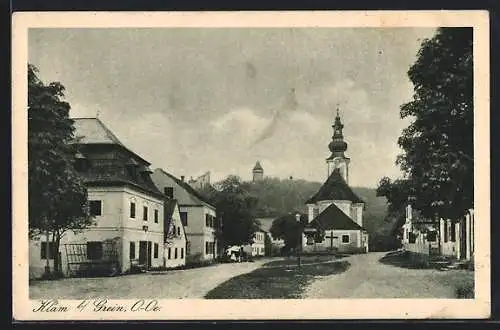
{"points": [[145, 253]]}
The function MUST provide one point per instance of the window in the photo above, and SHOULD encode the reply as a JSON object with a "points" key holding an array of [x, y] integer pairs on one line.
{"points": [[175, 253], [412, 237], [345, 238], [43, 251], [178, 231], [132, 250], [95, 208], [209, 247], [145, 213], [169, 253], [207, 220], [431, 236], [94, 250], [446, 230], [184, 218], [182, 253], [169, 191], [452, 233], [155, 251], [173, 230], [156, 216], [132, 210]]}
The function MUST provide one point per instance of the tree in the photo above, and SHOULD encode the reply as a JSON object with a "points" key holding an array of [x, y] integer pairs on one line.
{"points": [[57, 193], [235, 210], [438, 157], [289, 229]]}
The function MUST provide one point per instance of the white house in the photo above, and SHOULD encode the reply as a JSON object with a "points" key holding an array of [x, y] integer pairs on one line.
{"points": [[197, 214], [175, 238], [457, 238], [258, 247], [445, 237], [126, 205], [335, 209]]}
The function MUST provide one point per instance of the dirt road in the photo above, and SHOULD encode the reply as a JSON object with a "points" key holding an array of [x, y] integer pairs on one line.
{"points": [[368, 278], [189, 283]]}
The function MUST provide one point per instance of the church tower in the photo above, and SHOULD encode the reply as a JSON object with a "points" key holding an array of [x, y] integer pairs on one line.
{"points": [[258, 172], [337, 146]]}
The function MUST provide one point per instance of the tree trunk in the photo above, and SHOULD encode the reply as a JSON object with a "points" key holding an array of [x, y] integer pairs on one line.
{"points": [[56, 239]]}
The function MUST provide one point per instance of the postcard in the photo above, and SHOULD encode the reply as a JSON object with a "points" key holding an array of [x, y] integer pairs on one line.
{"points": [[251, 165]]}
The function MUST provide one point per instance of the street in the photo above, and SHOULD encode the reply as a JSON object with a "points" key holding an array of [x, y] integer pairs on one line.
{"points": [[188, 283], [368, 278]]}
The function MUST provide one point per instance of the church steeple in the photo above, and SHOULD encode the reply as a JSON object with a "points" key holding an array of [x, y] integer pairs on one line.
{"points": [[338, 146]]}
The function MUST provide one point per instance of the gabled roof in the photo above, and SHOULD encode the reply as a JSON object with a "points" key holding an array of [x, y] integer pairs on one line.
{"points": [[334, 218], [335, 188], [168, 211], [93, 131], [195, 198]]}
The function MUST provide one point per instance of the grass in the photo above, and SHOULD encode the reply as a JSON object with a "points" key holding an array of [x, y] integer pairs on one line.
{"points": [[304, 260], [465, 290], [276, 281], [460, 280], [410, 260]]}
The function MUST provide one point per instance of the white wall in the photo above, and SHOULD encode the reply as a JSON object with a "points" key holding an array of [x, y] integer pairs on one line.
{"points": [[197, 233], [345, 206], [175, 241], [357, 213], [354, 241], [115, 224]]}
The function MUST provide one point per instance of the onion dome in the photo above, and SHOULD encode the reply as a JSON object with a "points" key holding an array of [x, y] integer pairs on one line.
{"points": [[337, 146]]}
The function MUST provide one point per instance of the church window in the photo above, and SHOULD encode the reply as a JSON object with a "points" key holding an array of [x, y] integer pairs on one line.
{"points": [[345, 238]]}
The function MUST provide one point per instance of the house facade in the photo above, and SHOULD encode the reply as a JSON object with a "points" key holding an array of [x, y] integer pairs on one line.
{"points": [[126, 206], [258, 247], [198, 216], [174, 249], [335, 210], [454, 239]]}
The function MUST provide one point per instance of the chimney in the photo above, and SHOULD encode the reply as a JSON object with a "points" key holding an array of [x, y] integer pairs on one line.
{"points": [[182, 178]]}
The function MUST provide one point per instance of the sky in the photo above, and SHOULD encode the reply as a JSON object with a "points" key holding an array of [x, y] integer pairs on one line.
{"points": [[191, 100]]}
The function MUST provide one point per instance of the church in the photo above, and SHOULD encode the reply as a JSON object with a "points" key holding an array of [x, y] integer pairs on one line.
{"points": [[335, 212]]}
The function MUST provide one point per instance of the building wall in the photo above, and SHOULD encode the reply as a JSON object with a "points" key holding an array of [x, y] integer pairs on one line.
{"points": [[357, 213], [36, 263], [354, 244], [114, 224], [175, 239], [197, 233], [257, 248], [345, 206]]}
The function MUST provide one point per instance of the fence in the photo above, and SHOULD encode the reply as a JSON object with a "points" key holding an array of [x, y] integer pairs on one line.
{"points": [[91, 259]]}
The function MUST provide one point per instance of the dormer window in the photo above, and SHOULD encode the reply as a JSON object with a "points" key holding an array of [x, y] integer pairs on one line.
{"points": [[132, 166], [81, 162]]}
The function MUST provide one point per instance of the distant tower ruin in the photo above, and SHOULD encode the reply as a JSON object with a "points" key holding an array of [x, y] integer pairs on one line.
{"points": [[258, 172]]}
